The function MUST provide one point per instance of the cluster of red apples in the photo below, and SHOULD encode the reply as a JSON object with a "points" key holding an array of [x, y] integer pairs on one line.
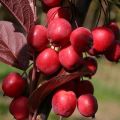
{"points": [[14, 86], [57, 46]]}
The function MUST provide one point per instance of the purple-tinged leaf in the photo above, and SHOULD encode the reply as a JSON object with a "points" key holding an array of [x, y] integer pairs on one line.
{"points": [[21, 10], [13, 46], [48, 86]]}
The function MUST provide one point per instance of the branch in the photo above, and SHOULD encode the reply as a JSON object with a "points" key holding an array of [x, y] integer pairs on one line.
{"points": [[81, 10], [45, 108]]}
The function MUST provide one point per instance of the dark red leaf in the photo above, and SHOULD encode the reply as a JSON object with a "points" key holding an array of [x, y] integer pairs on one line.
{"points": [[47, 87], [21, 10], [13, 46]]}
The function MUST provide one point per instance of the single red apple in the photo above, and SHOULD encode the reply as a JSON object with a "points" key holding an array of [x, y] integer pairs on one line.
{"points": [[48, 61], [19, 108], [87, 105], [13, 85], [81, 39], [58, 12], [51, 3], [37, 37], [114, 27], [103, 38], [91, 65], [59, 31], [84, 87], [64, 103], [113, 52], [69, 58]]}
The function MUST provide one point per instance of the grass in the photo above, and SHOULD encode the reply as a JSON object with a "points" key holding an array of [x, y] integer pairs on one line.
{"points": [[104, 93], [3, 108]]}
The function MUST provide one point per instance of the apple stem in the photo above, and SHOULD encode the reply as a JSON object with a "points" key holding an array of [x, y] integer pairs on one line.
{"points": [[85, 54], [24, 72], [93, 117], [108, 9], [33, 75], [81, 78], [104, 11], [31, 88], [61, 118], [98, 19], [35, 115]]}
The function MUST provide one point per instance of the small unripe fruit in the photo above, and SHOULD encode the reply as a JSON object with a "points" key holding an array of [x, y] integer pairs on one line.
{"points": [[59, 31], [69, 58], [48, 61], [103, 38], [13, 85], [64, 103], [19, 108], [84, 87], [81, 39], [58, 12], [87, 105], [51, 3], [37, 37]]}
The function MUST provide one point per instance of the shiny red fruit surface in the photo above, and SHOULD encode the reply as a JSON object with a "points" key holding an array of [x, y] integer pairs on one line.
{"points": [[103, 37], [64, 103], [13, 85], [81, 39], [19, 108], [58, 12], [48, 61], [51, 3], [37, 37], [87, 105], [59, 31], [69, 58]]}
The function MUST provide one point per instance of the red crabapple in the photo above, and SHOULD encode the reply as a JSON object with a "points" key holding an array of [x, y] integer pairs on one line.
{"points": [[37, 37], [59, 31], [69, 86], [64, 103], [103, 37], [58, 12], [91, 65], [48, 61], [13, 85], [84, 87], [81, 39], [51, 3], [69, 58], [93, 52], [113, 52], [87, 105], [19, 108], [114, 27]]}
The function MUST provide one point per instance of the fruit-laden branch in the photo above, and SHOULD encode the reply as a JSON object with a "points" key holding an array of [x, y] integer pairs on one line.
{"points": [[81, 11]]}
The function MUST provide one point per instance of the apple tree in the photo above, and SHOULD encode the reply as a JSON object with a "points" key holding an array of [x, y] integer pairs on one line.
{"points": [[56, 44]]}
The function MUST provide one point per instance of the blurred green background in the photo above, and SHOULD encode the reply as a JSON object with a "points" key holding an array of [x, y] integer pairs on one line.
{"points": [[106, 81]]}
